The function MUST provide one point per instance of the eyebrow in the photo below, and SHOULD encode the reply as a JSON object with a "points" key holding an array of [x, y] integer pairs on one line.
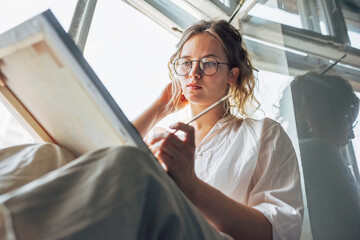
{"points": [[207, 55]]}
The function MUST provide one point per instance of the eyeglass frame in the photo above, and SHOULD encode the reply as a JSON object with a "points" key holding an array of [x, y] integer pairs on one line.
{"points": [[354, 124], [199, 61]]}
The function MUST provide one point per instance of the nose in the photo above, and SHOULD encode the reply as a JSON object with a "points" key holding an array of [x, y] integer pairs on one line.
{"points": [[195, 72], [351, 134]]}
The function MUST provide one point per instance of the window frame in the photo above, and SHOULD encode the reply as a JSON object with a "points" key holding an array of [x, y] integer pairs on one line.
{"points": [[323, 49]]}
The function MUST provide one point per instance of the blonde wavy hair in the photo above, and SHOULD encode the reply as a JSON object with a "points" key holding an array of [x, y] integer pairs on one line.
{"points": [[242, 91]]}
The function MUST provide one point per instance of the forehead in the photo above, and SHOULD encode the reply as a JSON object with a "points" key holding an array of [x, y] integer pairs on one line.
{"points": [[201, 45]]}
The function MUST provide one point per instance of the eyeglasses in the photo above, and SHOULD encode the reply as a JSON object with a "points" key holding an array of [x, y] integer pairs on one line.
{"points": [[354, 125], [349, 118], [208, 65]]}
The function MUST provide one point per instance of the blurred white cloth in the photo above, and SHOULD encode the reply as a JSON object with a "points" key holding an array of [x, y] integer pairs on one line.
{"points": [[254, 163], [112, 193]]}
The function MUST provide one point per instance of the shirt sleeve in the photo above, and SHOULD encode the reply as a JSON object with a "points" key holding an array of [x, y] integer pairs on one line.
{"points": [[276, 187]]}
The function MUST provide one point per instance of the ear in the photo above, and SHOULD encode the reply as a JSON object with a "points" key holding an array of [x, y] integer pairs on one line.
{"points": [[234, 73]]}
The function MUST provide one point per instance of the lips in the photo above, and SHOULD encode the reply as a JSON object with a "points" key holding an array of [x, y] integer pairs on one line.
{"points": [[193, 86]]}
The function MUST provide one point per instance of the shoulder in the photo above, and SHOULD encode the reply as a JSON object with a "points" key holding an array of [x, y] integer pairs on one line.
{"points": [[251, 127], [269, 135], [262, 127], [254, 132], [264, 122]]}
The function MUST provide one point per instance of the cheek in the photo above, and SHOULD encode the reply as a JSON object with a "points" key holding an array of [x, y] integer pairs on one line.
{"points": [[341, 134], [219, 84], [182, 84]]}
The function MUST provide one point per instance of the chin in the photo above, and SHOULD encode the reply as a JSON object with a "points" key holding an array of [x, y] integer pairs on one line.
{"points": [[201, 99], [194, 98], [342, 145]]}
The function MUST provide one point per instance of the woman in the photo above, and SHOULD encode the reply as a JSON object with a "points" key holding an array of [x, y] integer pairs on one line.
{"points": [[326, 109], [242, 174]]}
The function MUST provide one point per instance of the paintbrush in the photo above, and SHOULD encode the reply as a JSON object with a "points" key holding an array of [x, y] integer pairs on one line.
{"points": [[208, 109], [332, 65]]}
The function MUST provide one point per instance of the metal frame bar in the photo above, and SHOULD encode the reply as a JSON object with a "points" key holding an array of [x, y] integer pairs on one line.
{"points": [[81, 22], [303, 14], [336, 21], [228, 10]]}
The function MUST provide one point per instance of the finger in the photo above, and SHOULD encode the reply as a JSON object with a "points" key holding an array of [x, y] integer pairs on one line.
{"points": [[158, 137], [168, 137], [160, 156], [167, 146], [166, 160], [170, 153], [187, 129]]}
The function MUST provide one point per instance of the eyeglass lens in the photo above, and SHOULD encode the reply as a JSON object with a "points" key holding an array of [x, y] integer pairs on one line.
{"points": [[354, 124], [208, 66]]}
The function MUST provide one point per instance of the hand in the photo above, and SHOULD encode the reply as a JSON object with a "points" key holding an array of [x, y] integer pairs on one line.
{"points": [[177, 155], [156, 111], [165, 98]]}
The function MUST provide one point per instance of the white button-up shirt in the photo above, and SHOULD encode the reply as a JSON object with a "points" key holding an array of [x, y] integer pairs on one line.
{"points": [[254, 163]]}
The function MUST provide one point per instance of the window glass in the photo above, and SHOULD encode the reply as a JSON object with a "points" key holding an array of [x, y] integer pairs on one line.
{"points": [[15, 12], [352, 20], [312, 136], [11, 132], [117, 53], [326, 110], [356, 140], [228, 6], [225, 2], [294, 13]]}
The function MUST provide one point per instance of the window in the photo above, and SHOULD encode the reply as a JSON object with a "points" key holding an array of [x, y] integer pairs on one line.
{"points": [[352, 20], [228, 6], [293, 13]]}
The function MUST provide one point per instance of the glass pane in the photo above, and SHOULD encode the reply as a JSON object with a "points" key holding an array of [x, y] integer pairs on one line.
{"points": [[16, 11], [352, 20], [308, 15], [11, 132], [326, 109], [228, 6], [177, 11], [319, 157], [116, 54], [356, 142]]}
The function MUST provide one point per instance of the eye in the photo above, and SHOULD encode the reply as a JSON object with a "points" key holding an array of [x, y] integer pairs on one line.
{"points": [[186, 63], [182, 63], [208, 62]]}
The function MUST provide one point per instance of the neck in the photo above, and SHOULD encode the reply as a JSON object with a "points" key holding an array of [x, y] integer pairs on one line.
{"points": [[208, 119]]}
